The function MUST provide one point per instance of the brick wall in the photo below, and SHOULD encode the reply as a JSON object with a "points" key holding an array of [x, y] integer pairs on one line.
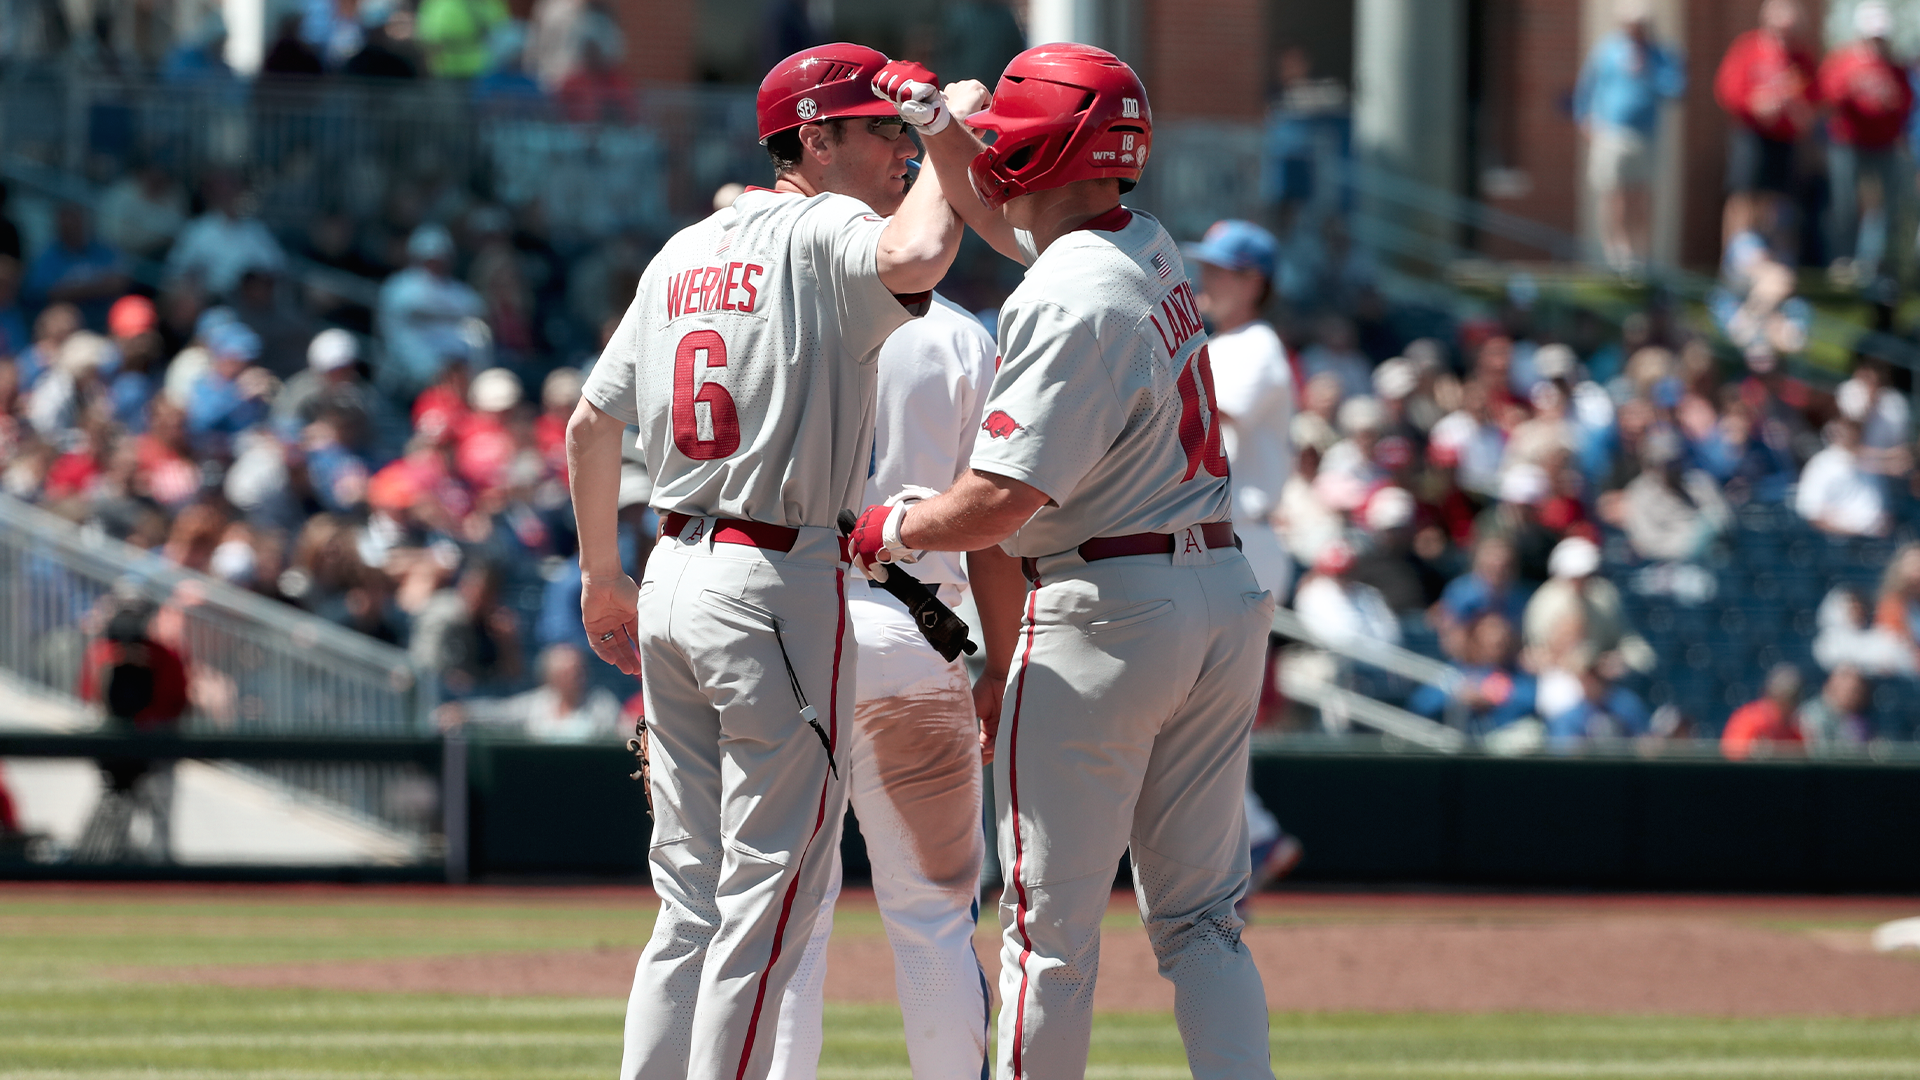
{"points": [[660, 38], [1532, 50], [1206, 60]]}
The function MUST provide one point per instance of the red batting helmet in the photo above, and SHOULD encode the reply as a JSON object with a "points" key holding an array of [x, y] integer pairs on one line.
{"points": [[1064, 112], [821, 83]]}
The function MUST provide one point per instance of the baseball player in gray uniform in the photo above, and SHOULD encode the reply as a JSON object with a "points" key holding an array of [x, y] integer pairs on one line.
{"points": [[914, 773], [747, 361], [1099, 463]]}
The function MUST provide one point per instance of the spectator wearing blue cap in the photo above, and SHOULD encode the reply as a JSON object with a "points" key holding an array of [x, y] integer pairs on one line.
{"points": [[1252, 384], [189, 363], [231, 395]]}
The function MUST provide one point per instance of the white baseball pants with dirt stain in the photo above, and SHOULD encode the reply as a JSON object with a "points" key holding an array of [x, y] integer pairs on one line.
{"points": [[1125, 728], [914, 780], [747, 811]]}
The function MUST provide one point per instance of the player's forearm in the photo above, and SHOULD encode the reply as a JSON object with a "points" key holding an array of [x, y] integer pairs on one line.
{"points": [[998, 587], [593, 478], [978, 511], [919, 244], [952, 152]]}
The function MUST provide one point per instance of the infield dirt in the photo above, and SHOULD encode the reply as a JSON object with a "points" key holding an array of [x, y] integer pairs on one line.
{"points": [[1673, 956]]}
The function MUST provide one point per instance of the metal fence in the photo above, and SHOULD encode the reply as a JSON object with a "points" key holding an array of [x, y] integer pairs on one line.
{"points": [[646, 163], [257, 667], [643, 163]]}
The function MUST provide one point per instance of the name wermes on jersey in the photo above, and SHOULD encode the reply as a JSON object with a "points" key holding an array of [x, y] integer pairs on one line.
{"points": [[730, 287]]}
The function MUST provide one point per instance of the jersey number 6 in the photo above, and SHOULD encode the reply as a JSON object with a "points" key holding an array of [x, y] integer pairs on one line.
{"points": [[722, 420], [1200, 438]]}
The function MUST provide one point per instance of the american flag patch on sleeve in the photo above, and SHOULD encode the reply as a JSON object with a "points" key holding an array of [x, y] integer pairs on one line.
{"points": [[1163, 264]]}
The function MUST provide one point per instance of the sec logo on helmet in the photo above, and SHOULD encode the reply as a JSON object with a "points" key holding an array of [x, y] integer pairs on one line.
{"points": [[806, 108]]}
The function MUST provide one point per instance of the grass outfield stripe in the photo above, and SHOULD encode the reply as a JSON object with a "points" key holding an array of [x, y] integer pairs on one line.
{"points": [[1700, 1067], [1665, 1070], [1679, 1070], [343, 1039], [59, 989], [546, 1073]]}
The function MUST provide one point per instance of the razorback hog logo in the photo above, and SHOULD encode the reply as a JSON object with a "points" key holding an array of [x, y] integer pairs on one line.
{"points": [[999, 425]]}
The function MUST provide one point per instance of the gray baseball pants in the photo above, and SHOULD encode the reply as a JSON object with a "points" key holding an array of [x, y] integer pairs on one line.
{"points": [[1125, 728], [747, 812]]}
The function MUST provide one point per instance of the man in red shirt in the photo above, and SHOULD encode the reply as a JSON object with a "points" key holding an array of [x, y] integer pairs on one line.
{"points": [[1871, 99], [1768, 723], [1767, 84]]}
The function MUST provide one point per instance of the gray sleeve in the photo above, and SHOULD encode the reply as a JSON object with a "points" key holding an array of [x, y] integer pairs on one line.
{"points": [[840, 238], [612, 384], [1053, 412]]}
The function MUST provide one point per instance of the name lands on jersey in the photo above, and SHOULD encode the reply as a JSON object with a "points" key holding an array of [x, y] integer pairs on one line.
{"points": [[1182, 317]]}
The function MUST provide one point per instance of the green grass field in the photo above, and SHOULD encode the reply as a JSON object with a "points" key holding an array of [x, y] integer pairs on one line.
{"points": [[66, 1013]]}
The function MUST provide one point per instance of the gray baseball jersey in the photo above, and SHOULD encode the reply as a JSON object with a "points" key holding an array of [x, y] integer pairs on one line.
{"points": [[1104, 398], [734, 360]]}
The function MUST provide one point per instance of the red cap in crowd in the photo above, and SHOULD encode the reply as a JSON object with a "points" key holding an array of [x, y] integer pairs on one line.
{"points": [[131, 316]]}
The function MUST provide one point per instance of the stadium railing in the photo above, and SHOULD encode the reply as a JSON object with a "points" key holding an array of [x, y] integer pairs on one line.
{"points": [[1340, 705], [256, 668]]}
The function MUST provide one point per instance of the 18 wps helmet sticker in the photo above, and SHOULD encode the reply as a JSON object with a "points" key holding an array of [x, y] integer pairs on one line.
{"points": [[1063, 112]]}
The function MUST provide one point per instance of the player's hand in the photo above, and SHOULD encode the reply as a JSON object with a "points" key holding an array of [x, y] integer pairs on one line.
{"points": [[987, 695], [867, 544], [609, 610], [967, 97], [876, 533], [915, 93]]}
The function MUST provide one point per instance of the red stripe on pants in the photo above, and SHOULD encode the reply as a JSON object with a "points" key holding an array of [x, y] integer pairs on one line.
{"points": [[1019, 849], [820, 818]]}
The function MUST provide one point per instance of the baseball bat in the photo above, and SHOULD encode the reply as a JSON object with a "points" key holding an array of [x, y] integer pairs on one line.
{"points": [[944, 630]]}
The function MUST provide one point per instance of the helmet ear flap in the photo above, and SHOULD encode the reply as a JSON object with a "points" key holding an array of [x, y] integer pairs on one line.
{"points": [[1013, 166]]}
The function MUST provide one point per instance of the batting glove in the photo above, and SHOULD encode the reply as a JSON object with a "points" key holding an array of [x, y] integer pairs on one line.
{"points": [[876, 541], [913, 91]]}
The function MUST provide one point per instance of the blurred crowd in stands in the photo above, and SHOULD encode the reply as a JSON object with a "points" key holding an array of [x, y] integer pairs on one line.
{"points": [[1505, 497], [339, 376], [568, 49], [1452, 493], [1504, 491], [408, 483]]}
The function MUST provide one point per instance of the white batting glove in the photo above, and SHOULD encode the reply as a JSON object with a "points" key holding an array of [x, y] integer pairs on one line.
{"points": [[896, 548], [915, 95], [891, 531], [875, 538]]}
